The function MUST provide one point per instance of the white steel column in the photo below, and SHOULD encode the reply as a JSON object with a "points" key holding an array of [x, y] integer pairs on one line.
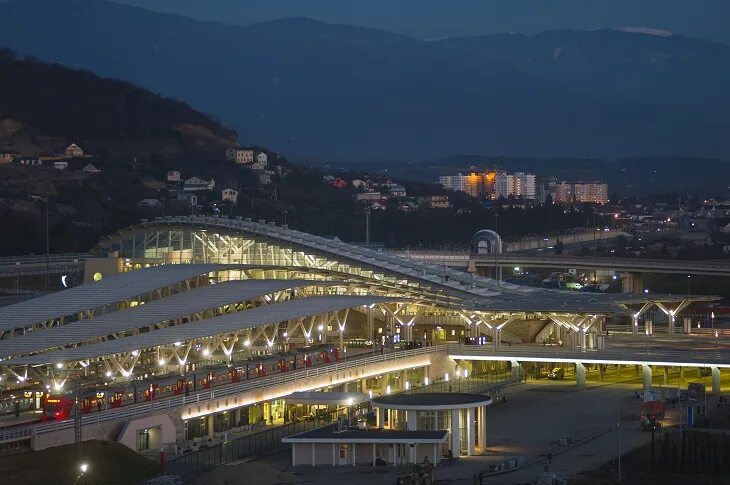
{"points": [[470, 435], [580, 374], [411, 421], [646, 374], [373, 454], [293, 454], [354, 454], [455, 438], [516, 369], [482, 427], [716, 380]]}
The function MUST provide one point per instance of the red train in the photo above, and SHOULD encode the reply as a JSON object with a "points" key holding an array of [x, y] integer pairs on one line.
{"points": [[159, 387]]}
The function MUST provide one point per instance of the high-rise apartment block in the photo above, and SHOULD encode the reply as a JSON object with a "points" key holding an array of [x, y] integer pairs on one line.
{"points": [[594, 192], [492, 185]]}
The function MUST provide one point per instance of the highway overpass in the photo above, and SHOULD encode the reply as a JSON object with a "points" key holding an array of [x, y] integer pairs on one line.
{"points": [[464, 259]]}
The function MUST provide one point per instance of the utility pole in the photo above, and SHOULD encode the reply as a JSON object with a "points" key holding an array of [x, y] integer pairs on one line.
{"points": [[367, 225], [77, 414], [618, 437], [48, 249], [496, 246]]}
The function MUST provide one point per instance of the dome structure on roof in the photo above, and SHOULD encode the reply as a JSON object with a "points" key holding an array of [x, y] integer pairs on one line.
{"points": [[486, 241]]}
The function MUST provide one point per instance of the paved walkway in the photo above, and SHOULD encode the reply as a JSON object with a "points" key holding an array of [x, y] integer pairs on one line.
{"points": [[529, 424]]}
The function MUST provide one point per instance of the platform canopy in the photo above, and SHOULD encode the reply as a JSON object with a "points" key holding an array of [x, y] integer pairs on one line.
{"points": [[225, 324], [169, 308], [327, 398], [110, 289]]}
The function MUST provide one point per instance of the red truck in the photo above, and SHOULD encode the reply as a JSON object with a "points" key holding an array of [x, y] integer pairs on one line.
{"points": [[651, 415]]}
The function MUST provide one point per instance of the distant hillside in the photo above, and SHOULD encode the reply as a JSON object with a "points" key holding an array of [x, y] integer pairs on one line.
{"points": [[44, 107], [666, 69], [342, 92]]}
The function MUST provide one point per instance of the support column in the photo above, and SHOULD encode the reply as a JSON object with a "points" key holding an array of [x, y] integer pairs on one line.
{"points": [[293, 454], [211, 425], [354, 454], [687, 324], [716, 380], [379, 417], [635, 326], [455, 438], [371, 329], [646, 373], [364, 385], [482, 427], [374, 458], [681, 375], [516, 369], [470, 435], [580, 374], [665, 375], [411, 421], [671, 324]]}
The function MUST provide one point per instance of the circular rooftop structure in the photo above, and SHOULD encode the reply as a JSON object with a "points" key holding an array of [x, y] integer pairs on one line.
{"points": [[486, 241], [432, 401]]}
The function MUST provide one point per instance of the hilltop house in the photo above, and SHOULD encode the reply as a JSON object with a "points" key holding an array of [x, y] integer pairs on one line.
{"points": [[240, 155], [90, 169], [261, 157], [173, 176], [73, 150], [28, 161], [195, 184], [230, 195], [7, 156]]}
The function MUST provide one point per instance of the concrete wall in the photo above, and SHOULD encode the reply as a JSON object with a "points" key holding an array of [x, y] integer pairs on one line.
{"points": [[167, 435], [105, 266]]}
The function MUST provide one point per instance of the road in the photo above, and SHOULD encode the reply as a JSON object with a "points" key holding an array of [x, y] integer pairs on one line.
{"points": [[529, 424]]}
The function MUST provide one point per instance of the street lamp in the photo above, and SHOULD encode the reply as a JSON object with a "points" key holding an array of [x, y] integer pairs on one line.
{"points": [[688, 278]]}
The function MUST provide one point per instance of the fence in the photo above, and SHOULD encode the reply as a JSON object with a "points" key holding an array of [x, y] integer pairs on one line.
{"points": [[195, 463]]}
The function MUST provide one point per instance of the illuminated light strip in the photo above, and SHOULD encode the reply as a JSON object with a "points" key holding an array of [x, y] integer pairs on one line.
{"points": [[585, 361], [302, 386]]}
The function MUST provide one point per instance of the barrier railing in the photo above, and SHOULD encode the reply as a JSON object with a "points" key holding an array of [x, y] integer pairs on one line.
{"points": [[146, 408], [41, 259]]}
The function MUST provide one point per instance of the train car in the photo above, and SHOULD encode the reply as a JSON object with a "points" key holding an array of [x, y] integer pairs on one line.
{"points": [[57, 407]]}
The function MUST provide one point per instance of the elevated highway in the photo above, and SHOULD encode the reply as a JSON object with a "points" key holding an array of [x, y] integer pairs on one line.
{"points": [[464, 259]]}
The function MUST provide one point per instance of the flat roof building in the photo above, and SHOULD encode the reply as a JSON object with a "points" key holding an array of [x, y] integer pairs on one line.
{"points": [[462, 415], [332, 446]]}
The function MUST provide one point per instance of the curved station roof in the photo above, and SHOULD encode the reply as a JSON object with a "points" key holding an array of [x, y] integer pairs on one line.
{"points": [[176, 301]]}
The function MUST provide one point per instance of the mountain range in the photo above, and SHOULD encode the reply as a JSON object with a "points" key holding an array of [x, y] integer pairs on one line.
{"points": [[317, 90]]}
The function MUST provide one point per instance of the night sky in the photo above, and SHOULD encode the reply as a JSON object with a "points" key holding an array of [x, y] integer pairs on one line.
{"points": [[705, 19]]}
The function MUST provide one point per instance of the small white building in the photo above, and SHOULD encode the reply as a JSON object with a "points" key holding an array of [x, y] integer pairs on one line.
{"points": [[332, 447], [173, 176], [240, 155], [453, 412], [7, 156], [258, 166], [90, 168], [60, 165], [73, 150], [261, 157], [230, 195], [264, 178], [359, 184]]}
